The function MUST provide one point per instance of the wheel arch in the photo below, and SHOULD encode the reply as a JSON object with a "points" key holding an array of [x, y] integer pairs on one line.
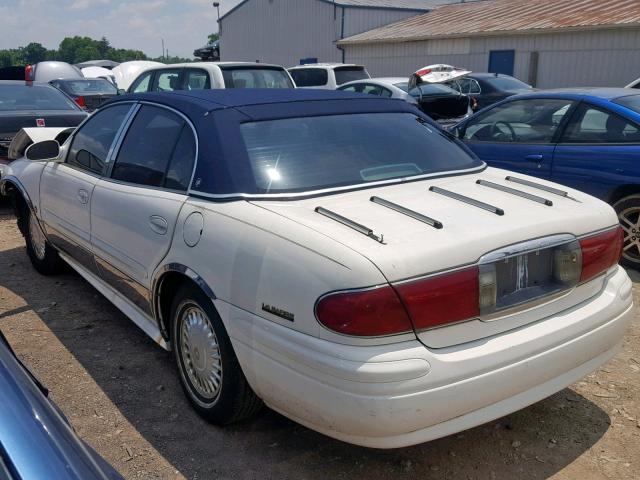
{"points": [[167, 280], [19, 198], [623, 191]]}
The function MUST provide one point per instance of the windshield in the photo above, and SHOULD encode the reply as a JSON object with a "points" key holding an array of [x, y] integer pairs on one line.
{"points": [[255, 77], [312, 153], [89, 87], [632, 102], [349, 74], [33, 97], [508, 84]]}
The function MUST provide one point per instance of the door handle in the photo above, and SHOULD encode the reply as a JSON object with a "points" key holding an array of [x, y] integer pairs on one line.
{"points": [[83, 196], [535, 157], [158, 224]]}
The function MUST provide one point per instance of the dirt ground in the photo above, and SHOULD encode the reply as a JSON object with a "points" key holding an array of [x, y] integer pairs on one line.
{"points": [[122, 395]]}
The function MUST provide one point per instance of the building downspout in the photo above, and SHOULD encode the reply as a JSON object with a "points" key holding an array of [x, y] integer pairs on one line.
{"points": [[342, 35]]}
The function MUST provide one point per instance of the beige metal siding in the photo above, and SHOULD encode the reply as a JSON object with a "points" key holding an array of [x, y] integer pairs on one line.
{"points": [[596, 58]]}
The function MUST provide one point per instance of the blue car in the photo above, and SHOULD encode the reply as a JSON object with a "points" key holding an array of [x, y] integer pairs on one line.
{"points": [[588, 139], [36, 441]]}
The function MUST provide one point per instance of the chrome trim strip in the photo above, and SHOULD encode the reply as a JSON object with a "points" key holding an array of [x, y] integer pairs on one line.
{"points": [[470, 201], [513, 191], [526, 247], [350, 223], [539, 186], [322, 191], [405, 211], [117, 140]]}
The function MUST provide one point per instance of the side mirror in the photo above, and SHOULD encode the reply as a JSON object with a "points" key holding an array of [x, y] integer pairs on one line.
{"points": [[121, 91], [46, 150]]}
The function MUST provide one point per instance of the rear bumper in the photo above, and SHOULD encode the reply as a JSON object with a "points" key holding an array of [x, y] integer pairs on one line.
{"points": [[403, 394]]}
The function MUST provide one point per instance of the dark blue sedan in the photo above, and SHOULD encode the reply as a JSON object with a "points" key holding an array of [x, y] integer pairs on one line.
{"points": [[588, 139], [36, 441]]}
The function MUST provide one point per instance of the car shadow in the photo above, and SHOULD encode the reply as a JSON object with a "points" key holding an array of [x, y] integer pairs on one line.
{"points": [[140, 379]]}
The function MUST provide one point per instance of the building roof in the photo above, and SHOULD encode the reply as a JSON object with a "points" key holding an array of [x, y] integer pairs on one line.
{"points": [[414, 5], [494, 17]]}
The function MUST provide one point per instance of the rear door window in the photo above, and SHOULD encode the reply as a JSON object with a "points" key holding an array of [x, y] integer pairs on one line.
{"points": [[196, 79], [91, 143], [158, 150], [310, 77], [255, 77], [167, 80], [594, 125], [349, 74]]}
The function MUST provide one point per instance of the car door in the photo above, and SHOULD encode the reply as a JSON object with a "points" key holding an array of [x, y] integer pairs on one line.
{"points": [[66, 188], [518, 135], [134, 209], [597, 152]]}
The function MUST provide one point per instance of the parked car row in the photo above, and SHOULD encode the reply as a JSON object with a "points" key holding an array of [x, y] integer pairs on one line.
{"points": [[305, 248]]}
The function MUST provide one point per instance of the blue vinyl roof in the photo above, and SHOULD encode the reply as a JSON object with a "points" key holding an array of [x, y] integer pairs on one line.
{"points": [[222, 165]]}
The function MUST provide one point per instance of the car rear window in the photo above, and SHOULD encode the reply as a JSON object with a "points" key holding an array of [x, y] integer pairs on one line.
{"points": [[309, 77], [349, 74], [313, 153], [33, 97], [433, 89], [632, 102], [252, 77], [90, 87], [508, 84]]}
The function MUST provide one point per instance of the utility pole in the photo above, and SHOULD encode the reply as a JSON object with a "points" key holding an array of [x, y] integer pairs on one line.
{"points": [[162, 48]]}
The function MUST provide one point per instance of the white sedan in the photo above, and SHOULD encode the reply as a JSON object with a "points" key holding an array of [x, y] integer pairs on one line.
{"points": [[334, 256]]}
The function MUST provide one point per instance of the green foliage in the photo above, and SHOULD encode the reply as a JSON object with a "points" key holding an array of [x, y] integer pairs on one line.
{"points": [[75, 50], [213, 37]]}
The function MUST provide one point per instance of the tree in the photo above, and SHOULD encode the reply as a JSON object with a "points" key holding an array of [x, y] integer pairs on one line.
{"points": [[33, 53], [213, 37]]}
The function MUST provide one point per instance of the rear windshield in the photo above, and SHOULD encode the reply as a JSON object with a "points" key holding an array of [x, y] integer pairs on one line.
{"points": [[508, 84], [309, 77], [632, 102], [33, 97], [349, 74], [89, 87], [433, 89], [252, 77], [312, 153]]}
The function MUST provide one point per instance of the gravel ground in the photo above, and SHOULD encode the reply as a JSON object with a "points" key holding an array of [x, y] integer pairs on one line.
{"points": [[121, 394]]}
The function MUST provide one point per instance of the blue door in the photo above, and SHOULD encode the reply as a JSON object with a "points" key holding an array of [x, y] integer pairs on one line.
{"points": [[518, 135], [597, 152], [502, 61]]}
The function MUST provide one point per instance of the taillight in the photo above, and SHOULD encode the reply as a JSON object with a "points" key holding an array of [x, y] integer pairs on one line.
{"points": [[368, 313], [442, 299], [29, 73], [424, 71], [81, 102], [600, 252]]}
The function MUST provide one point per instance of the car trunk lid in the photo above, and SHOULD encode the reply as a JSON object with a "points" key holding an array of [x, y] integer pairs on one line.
{"points": [[475, 218]]}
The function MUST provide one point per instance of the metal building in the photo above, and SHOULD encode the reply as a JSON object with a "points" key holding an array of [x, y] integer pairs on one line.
{"points": [[288, 32], [547, 43]]}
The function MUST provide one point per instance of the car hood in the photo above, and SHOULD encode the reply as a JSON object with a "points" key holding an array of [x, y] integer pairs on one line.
{"points": [[406, 247]]}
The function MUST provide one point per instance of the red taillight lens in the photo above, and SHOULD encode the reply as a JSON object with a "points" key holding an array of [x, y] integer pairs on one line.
{"points": [[442, 299], [368, 313], [81, 103], [29, 73], [424, 71], [600, 252]]}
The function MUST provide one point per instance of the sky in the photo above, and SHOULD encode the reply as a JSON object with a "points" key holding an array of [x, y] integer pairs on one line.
{"points": [[134, 24]]}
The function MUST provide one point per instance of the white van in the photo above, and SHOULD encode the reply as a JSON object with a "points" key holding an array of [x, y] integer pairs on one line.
{"points": [[327, 76]]}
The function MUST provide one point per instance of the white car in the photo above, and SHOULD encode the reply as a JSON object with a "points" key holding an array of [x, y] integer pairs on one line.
{"points": [[441, 102], [208, 75], [337, 257], [328, 76]]}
